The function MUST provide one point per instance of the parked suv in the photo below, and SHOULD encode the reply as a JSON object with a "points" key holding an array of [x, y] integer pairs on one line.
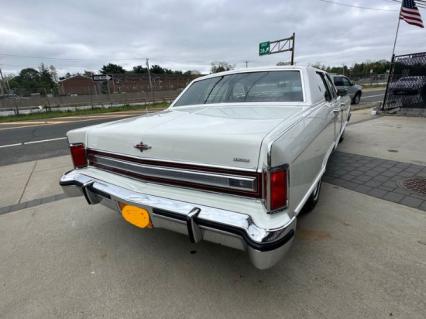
{"points": [[354, 90], [409, 85]]}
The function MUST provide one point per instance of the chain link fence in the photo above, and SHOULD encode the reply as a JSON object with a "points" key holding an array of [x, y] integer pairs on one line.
{"points": [[81, 92], [406, 87]]}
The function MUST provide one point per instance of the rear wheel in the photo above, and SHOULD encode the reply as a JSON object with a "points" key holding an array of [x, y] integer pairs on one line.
{"points": [[313, 199], [357, 98], [342, 137]]}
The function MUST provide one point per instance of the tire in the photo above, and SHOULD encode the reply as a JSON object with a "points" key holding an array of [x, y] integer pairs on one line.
{"points": [[357, 98], [313, 199], [342, 137]]}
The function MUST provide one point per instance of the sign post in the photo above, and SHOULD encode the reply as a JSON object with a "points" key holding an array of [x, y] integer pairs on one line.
{"points": [[278, 46]]}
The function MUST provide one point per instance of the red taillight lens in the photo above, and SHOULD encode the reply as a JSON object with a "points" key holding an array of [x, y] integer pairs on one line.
{"points": [[78, 154], [276, 189]]}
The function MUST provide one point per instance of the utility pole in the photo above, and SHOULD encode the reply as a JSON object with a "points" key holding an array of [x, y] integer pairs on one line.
{"points": [[149, 79], [2, 83]]}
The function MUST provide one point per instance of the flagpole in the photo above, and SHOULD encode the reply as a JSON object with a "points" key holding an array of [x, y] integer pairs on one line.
{"points": [[397, 30], [392, 58]]}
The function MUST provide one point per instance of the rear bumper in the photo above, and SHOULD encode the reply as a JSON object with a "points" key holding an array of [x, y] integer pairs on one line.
{"points": [[265, 247]]}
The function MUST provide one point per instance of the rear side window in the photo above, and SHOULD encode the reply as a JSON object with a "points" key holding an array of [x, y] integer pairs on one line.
{"points": [[346, 82], [323, 86], [338, 81], [331, 86]]}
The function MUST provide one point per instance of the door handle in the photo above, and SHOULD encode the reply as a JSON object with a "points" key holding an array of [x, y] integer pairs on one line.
{"points": [[342, 104], [337, 111]]}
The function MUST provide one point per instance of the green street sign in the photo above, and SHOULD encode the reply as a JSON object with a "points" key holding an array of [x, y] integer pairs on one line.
{"points": [[264, 48]]}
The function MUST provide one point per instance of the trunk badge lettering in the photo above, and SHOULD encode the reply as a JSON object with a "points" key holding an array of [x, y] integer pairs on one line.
{"points": [[239, 159], [142, 147]]}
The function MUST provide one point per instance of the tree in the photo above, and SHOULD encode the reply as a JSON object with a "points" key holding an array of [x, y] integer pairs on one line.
{"points": [[140, 69], [30, 81], [156, 69], [111, 68], [220, 67], [88, 74]]}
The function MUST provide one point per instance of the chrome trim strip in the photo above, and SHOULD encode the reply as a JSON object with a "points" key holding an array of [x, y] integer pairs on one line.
{"points": [[234, 182], [149, 159]]}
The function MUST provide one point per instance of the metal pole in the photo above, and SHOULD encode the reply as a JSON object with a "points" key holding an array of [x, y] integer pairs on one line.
{"points": [[149, 79], [397, 31], [392, 60], [292, 49], [2, 84]]}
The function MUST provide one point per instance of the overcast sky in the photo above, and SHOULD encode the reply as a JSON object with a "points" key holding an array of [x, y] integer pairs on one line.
{"points": [[190, 34]]}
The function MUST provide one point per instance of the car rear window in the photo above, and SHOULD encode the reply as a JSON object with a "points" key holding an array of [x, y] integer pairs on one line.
{"points": [[270, 86]]}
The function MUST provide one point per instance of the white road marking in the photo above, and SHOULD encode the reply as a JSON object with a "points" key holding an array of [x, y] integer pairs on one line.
{"points": [[34, 142], [48, 140], [10, 145]]}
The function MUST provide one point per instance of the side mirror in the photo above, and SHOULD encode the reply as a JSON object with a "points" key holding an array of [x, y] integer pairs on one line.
{"points": [[342, 92]]}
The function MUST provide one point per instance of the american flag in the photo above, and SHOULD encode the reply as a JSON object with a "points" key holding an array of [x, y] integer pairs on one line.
{"points": [[410, 13]]}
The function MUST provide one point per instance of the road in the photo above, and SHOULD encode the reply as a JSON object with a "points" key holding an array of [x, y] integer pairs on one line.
{"points": [[34, 140], [373, 96]]}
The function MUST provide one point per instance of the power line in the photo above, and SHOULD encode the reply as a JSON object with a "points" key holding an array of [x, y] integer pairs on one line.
{"points": [[358, 7], [66, 59]]}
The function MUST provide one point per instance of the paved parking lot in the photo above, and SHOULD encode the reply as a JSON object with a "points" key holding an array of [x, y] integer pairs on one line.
{"points": [[355, 256]]}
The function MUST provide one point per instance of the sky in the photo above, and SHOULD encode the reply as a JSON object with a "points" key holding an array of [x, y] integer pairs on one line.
{"points": [[186, 35]]}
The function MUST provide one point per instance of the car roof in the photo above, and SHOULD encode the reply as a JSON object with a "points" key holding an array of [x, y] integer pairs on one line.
{"points": [[259, 69]]}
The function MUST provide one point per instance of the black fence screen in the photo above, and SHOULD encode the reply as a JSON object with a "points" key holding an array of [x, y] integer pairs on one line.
{"points": [[406, 87]]}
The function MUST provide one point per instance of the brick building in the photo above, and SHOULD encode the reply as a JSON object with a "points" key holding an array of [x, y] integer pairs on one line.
{"points": [[124, 83], [77, 84]]}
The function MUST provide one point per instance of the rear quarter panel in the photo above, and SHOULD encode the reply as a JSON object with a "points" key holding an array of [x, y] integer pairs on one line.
{"points": [[305, 148]]}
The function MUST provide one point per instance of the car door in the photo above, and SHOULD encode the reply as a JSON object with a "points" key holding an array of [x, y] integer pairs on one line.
{"points": [[337, 105], [333, 109]]}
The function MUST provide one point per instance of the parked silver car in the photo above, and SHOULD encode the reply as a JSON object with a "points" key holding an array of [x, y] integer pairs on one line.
{"points": [[343, 82]]}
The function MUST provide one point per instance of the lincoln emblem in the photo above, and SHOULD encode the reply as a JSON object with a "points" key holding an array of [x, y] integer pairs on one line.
{"points": [[142, 147]]}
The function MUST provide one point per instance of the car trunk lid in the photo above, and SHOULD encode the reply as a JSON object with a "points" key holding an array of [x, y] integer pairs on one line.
{"points": [[223, 135]]}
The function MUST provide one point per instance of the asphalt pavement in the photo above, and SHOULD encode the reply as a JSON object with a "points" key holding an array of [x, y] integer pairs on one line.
{"points": [[35, 140], [372, 96]]}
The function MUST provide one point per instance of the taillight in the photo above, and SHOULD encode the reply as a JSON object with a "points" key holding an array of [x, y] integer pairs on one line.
{"points": [[78, 154], [276, 188]]}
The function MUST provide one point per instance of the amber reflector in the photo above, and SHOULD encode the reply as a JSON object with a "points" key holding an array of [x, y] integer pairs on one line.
{"points": [[136, 216]]}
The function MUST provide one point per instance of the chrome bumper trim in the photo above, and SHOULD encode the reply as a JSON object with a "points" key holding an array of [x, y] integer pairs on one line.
{"points": [[230, 228]]}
